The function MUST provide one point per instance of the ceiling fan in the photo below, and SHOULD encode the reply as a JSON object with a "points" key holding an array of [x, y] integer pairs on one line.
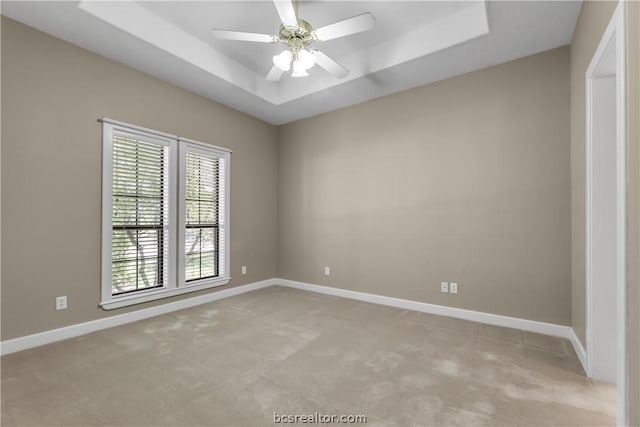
{"points": [[298, 34]]}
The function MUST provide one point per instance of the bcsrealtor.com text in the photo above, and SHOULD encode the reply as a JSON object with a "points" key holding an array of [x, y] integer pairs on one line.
{"points": [[318, 418]]}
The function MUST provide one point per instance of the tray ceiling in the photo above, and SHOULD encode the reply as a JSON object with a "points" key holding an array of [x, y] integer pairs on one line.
{"points": [[413, 43]]}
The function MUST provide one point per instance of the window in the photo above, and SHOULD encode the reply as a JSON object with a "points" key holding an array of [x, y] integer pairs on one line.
{"points": [[165, 215], [139, 221], [203, 229]]}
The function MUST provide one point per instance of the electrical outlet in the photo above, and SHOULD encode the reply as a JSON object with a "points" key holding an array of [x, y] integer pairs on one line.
{"points": [[61, 303], [244, 269], [327, 271], [444, 287], [453, 288]]}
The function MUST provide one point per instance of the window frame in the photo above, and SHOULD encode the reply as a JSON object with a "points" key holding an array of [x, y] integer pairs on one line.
{"points": [[185, 146], [175, 175]]}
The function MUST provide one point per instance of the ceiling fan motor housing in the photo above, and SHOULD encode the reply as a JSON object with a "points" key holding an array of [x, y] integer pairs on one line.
{"points": [[297, 38]]}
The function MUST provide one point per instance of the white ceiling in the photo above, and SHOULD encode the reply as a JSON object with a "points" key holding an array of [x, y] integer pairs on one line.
{"points": [[413, 43]]}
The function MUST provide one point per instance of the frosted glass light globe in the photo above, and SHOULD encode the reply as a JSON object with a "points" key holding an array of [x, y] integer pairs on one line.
{"points": [[307, 59], [283, 60], [298, 69]]}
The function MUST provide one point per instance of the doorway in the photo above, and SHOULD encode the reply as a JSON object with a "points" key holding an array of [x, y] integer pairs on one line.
{"points": [[605, 234]]}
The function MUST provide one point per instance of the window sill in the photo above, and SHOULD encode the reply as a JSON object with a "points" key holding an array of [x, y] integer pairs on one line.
{"points": [[152, 295]]}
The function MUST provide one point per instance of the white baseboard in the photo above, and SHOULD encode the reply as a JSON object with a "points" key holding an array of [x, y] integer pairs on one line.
{"points": [[475, 316], [579, 349], [35, 340]]}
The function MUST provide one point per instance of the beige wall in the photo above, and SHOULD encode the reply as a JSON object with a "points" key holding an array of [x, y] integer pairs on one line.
{"points": [[633, 200], [593, 20], [52, 94], [463, 180]]}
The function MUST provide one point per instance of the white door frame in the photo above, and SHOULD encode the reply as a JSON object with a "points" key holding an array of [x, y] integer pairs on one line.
{"points": [[615, 31]]}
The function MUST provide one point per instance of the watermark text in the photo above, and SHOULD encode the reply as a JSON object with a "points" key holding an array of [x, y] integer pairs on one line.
{"points": [[318, 418]]}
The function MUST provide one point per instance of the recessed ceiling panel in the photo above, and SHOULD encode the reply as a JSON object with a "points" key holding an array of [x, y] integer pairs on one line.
{"points": [[412, 43]]}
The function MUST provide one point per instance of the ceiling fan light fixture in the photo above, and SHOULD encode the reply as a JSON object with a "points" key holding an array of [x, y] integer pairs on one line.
{"points": [[298, 69], [298, 34], [283, 60], [307, 59]]}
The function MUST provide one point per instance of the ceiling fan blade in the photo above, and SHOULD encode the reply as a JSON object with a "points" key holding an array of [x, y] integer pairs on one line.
{"points": [[275, 74], [245, 37], [335, 69], [357, 24], [287, 12]]}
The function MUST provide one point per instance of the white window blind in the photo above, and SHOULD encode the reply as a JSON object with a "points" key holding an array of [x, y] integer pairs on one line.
{"points": [[203, 213], [165, 215], [139, 255], [202, 220]]}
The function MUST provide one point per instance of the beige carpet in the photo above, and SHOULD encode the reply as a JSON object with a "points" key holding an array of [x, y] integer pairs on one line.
{"points": [[237, 361]]}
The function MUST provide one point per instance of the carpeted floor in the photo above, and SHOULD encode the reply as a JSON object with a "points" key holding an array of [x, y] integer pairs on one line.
{"points": [[237, 361]]}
